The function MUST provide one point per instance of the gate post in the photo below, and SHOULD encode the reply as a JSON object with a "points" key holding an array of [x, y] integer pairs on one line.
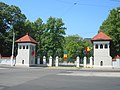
{"points": [[44, 60], [77, 61], [50, 61], [85, 58], [38, 60], [91, 62], [56, 63]]}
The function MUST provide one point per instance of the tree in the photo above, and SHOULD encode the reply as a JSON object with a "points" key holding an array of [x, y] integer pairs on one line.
{"points": [[10, 16], [39, 30], [73, 45], [111, 26], [53, 37]]}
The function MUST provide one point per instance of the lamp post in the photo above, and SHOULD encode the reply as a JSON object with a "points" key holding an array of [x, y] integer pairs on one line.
{"points": [[13, 42]]}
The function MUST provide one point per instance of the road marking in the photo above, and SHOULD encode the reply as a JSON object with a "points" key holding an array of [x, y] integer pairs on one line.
{"points": [[96, 74]]}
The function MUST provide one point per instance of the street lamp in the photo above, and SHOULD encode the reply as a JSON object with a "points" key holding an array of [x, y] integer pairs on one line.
{"points": [[13, 42]]}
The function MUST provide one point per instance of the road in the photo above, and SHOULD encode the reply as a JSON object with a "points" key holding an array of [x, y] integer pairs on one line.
{"points": [[57, 79]]}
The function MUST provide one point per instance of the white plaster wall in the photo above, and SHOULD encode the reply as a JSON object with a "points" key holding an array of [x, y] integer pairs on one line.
{"points": [[25, 54], [116, 63], [102, 54]]}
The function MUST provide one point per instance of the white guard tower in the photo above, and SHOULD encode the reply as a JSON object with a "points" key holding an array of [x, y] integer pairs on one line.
{"points": [[102, 56], [26, 51]]}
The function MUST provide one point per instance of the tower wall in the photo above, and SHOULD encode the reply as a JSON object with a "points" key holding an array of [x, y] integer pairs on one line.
{"points": [[102, 54], [24, 56]]}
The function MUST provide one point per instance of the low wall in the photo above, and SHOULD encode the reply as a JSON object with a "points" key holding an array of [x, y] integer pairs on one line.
{"points": [[6, 60]]}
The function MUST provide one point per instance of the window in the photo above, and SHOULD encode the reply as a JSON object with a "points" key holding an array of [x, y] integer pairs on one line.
{"points": [[20, 47], [101, 46], [22, 61], [106, 46], [101, 63], [27, 47], [96, 46], [23, 47]]}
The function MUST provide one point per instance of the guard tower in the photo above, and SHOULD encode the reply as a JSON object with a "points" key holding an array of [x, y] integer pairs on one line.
{"points": [[102, 56], [26, 51]]}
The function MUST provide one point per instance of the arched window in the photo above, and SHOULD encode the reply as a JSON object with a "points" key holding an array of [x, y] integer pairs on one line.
{"points": [[106, 46], [22, 61], [101, 46], [20, 47], [27, 47], [23, 47], [101, 63], [96, 46]]}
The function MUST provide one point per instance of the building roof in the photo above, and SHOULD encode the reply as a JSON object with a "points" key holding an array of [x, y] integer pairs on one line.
{"points": [[26, 39], [101, 36], [116, 57]]}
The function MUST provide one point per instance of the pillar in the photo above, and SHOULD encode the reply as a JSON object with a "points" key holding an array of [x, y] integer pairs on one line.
{"points": [[50, 61], [38, 60], [85, 60], [77, 61], [56, 63], [91, 61], [44, 60]]}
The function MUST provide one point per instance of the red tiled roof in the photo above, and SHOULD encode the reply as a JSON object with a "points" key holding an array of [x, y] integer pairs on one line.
{"points": [[101, 36], [26, 39], [116, 57]]}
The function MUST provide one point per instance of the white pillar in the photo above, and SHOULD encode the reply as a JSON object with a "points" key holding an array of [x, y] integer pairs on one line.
{"points": [[85, 59], [91, 61], [50, 61], [44, 60], [38, 60], [77, 61], [56, 63]]}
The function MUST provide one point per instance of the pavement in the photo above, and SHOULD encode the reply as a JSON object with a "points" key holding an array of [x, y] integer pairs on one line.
{"points": [[60, 78]]}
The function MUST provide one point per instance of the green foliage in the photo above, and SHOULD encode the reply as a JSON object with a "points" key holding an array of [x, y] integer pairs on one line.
{"points": [[72, 45], [54, 35], [75, 45], [111, 26], [10, 16]]}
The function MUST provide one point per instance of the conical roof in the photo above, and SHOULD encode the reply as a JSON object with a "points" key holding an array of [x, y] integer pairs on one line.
{"points": [[101, 36], [26, 39]]}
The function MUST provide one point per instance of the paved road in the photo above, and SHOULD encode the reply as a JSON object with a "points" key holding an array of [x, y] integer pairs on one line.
{"points": [[56, 79]]}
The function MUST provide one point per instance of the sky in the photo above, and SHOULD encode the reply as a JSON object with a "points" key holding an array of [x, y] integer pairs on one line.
{"points": [[81, 17]]}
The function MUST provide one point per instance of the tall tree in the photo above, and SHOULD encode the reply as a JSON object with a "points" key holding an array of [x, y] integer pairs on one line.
{"points": [[10, 16], [73, 46], [39, 31], [111, 26], [54, 35]]}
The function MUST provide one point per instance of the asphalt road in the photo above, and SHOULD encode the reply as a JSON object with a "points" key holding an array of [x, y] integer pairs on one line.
{"points": [[55, 79]]}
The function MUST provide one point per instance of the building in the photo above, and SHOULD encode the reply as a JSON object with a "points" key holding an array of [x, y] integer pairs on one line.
{"points": [[116, 61], [26, 51], [101, 51]]}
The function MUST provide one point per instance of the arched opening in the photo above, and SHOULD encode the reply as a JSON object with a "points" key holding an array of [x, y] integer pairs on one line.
{"points": [[27, 47], [101, 46], [23, 47], [101, 63], [20, 47], [96, 46], [22, 61], [106, 46]]}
